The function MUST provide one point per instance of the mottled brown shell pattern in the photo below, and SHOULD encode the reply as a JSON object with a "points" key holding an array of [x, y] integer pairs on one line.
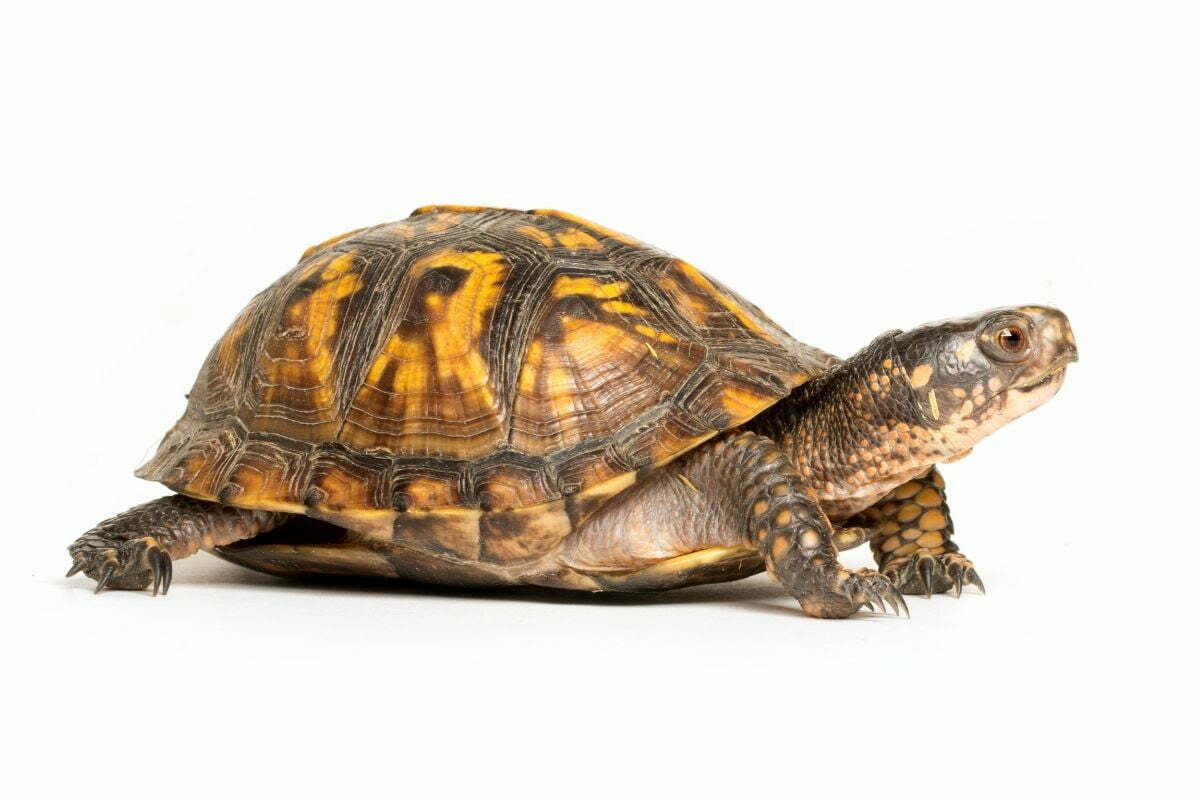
{"points": [[471, 358]]}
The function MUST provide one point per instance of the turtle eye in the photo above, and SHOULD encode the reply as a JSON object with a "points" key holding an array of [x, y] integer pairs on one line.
{"points": [[1011, 339], [1008, 340]]}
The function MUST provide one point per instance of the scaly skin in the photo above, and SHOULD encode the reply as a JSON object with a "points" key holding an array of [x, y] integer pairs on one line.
{"points": [[911, 534]]}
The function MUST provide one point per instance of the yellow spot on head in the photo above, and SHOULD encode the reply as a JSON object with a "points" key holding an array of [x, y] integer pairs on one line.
{"points": [[920, 375]]}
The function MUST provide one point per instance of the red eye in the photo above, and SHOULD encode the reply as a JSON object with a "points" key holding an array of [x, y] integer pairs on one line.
{"points": [[1011, 339]]}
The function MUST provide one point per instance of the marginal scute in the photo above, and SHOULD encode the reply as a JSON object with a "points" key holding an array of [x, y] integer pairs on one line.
{"points": [[510, 369]]}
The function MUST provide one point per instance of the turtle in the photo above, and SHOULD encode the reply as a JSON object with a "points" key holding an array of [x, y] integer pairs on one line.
{"points": [[481, 397]]}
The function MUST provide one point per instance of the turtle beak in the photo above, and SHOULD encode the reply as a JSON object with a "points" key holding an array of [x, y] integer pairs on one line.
{"points": [[1057, 347]]}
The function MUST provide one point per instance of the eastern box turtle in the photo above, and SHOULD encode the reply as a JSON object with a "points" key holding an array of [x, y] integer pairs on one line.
{"points": [[481, 397]]}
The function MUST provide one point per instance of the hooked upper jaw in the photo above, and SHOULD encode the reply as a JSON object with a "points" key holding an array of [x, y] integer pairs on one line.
{"points": [[1055, 347]]}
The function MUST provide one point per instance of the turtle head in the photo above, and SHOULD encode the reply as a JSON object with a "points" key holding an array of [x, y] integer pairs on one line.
{"points": [[972, 375]]}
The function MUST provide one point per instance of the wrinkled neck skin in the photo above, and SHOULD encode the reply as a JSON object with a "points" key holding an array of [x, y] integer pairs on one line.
{"points": [[857, 431]]}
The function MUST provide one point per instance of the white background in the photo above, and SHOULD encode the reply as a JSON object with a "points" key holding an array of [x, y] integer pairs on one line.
{"points": [[852, 167]]}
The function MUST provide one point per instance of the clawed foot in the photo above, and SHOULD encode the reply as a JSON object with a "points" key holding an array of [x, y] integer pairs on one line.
{"points": [[121, 563], [923, 573], [852, 590], [870, 588]]}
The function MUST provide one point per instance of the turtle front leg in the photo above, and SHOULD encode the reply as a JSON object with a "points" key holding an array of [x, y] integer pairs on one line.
{"points": [[795, 538], [910, 538], [134, 549]]}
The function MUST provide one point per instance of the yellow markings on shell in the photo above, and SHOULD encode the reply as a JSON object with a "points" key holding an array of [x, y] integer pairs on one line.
{"points": [[537, 234], [529, 370], [306, 361], [561, 385], [568, 285], [329, 242], [442, 209], [440, 353], [658, 336], [920, 375], [440, 221], [934, 411], [742, 404], [428, 493], [607, 233], [576, 239], [623, 307], [698, 278], [458, 323]]}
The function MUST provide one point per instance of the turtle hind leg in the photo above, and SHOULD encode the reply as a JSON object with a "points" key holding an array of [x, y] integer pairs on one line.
{"points": [[134, 549], [911, 538]]}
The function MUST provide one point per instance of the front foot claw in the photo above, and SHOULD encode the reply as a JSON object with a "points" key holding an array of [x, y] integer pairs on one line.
{"points": [[851, 591], [928, 574], [870, 588], [121, 563]]}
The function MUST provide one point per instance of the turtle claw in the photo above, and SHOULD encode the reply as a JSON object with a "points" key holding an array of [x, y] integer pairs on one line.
{"points": [[926, 574], [972, 577], [105, 574], [925, 570], [160, 568], [870, 588], [898, 603], [121, 563]]}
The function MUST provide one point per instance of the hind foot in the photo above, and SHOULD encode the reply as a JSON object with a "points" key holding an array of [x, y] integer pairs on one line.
{"points": [[120, 563]]}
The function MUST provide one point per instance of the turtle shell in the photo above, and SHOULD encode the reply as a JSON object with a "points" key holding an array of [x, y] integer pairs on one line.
{"points": [[471, 358]]}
